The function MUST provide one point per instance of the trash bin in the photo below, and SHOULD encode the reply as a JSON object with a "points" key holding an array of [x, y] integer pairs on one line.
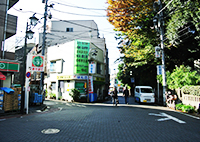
{"points": [[92, 97]]}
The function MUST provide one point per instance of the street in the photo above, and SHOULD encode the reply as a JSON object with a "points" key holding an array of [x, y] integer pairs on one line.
{"points": [[101, 122]]}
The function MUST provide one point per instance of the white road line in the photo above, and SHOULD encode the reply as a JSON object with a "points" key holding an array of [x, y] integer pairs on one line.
{"points": [[2, 119], [167, 117]]}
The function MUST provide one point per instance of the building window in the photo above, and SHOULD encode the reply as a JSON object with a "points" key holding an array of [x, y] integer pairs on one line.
{"points": [[53, 66], [98, 68], [53, 85], [69, 29], [56, 66]]}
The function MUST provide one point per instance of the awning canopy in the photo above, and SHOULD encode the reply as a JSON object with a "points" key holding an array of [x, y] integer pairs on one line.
{"points": [[2, 77]]}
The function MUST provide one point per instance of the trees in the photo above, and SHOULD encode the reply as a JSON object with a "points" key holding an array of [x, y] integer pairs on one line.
{"points": [[182, 32], [181, 76], [133, 21]]}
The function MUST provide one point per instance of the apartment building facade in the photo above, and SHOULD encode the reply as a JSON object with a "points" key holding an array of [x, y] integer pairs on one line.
{"points": [[61, 32]]}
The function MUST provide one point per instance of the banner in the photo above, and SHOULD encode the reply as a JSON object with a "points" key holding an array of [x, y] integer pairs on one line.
{"points": [[90, 84]]}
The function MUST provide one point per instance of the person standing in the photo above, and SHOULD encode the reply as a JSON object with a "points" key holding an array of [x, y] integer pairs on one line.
{"points": [[114, 96], [126, 95]]}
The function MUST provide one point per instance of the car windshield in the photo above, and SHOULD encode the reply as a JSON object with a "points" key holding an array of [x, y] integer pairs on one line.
{"points": [[146, 90]]}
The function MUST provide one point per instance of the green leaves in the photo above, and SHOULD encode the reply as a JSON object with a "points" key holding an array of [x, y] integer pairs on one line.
{"points": [[181, 76]]}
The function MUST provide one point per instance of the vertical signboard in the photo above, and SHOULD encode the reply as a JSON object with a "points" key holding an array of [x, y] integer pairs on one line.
{"points": [[92, 67], [81, 56], [159, 69], [90, 84]]}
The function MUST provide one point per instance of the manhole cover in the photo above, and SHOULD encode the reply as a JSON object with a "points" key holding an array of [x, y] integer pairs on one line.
{"points": [[50, 131]]}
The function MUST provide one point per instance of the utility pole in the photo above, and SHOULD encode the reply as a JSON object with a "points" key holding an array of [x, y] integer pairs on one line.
{"points": [[23, 74], [43, 43], [160, 27], [163, 52], [161, 24]]}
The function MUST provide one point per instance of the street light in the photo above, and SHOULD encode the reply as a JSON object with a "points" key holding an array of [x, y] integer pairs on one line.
{"points": [[29, 35]]}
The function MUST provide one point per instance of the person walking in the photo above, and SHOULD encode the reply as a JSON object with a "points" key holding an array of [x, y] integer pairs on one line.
{"points": [[126, 95], [114, 96]]}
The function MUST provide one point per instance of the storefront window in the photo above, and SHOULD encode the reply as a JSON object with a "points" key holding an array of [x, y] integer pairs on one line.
{"points": [[80, 86]]}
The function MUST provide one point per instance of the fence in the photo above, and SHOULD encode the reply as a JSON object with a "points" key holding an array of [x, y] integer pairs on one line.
{"points": [[187, 99]]}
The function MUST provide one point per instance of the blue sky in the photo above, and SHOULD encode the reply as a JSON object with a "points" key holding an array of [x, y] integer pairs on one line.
{"points": [[68, 10]]}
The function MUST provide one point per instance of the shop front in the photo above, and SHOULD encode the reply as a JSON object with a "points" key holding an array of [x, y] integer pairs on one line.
{"points": [[10, 99]]}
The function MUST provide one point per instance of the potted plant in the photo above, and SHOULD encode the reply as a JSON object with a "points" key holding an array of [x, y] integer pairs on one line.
{"points": [[75, 94]]}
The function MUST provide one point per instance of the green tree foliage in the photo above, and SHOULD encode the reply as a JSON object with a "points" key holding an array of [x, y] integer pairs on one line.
{"points": [[143, 75], [181, 76], [133, 21], [182, 32]]}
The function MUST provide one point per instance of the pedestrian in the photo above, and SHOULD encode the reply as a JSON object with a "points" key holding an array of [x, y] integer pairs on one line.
{"points": [[126, 95], [114, 96]]}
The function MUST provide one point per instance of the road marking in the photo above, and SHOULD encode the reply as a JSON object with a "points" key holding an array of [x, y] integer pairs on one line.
{"points": [[2, 119], [167, 117], [50, 131]]}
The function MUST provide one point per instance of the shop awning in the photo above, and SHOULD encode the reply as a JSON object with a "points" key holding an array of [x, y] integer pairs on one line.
{"points": [[2, 77]]}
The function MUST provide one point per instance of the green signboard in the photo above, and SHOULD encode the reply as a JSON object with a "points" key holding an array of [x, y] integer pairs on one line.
{"points": [[81, 56], [9, 66]]}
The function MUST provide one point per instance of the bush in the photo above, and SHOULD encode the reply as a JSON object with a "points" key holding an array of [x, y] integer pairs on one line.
{"points": [[188, 108], [179, 106], [185, 108], [75, 94]]}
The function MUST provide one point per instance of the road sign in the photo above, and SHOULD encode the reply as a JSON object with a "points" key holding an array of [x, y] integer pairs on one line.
{"points": [[157, 52], [28, 74], [132, 80], [159, 69]]}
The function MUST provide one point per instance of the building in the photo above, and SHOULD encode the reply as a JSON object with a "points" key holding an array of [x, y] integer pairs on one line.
{"points": [[114, 82], [8, 24], [68, 68], [61, 32]]}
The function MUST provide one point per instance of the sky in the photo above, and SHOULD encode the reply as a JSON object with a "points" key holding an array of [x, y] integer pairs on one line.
{"points": [[66, 10]]}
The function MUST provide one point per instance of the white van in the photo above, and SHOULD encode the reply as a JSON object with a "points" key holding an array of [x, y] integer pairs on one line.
{"points": [[144, 94]]}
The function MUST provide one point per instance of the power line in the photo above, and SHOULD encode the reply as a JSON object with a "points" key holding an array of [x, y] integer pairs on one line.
{"points": [[100, 8]]}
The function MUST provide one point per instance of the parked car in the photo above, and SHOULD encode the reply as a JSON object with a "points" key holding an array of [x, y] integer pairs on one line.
{"points": [[144, 94]]}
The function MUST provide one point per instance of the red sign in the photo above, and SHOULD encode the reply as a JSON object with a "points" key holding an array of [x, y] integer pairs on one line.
{"points": [[90, 84], [28, 74]]}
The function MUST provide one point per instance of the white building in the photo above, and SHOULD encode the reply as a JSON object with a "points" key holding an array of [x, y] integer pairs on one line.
{"points": [[60, 33], [67, 68]]}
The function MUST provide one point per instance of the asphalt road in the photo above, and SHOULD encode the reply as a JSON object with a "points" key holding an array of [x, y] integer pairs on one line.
{"points": [[101, 122]]}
